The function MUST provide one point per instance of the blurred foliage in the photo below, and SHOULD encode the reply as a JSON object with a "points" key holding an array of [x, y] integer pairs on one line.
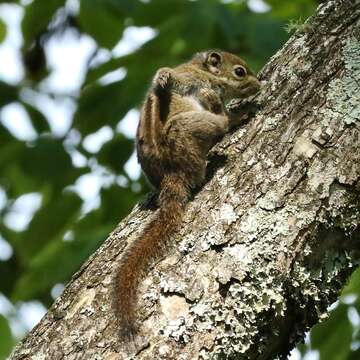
{"points": [[6, 338], [2, 31], [338, 337], [62, 233]]}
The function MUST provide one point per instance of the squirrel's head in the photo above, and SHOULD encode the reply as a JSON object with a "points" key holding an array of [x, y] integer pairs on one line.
{"points": [[236, 79]]}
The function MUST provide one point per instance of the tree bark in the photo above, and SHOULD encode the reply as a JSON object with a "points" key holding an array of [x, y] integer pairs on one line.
{"points": [[266, 245]]}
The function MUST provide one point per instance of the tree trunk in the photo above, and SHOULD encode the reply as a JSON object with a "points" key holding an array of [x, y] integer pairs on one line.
{"points": [[269, 241]]}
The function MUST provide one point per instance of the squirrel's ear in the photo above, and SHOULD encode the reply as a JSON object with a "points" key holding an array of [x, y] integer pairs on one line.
{"points": [[214, 58]]}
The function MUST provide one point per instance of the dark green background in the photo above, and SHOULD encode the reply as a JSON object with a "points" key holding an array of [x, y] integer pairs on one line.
{"points": [[41, 258]]}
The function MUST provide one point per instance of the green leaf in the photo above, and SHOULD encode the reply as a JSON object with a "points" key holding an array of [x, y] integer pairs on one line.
{"points": [[2, 31], [290, 9], [353, 287], [6, 340], [160, 11], [5, 137], [302, 348], [104, 19], [51, 221], [37, 17], [47, 161], [112, 102], [8, 93], [116, 152], [57, 261], [354, 355], [96, 73], [10, 271], [203, 19], [14, 181], [10, 150], [333, 337], [12, 178], [32, 167], [116, 203], [38, 120]]}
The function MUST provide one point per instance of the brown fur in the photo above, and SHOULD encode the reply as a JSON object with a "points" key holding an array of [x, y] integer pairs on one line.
{"points": [[182, 118]]}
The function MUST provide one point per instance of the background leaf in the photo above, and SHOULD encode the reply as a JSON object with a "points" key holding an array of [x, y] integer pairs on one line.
{"points": [[51, 221], [6, 342], [2, 31], [333, 338], [116, 152], [8, 93], [37, 17], [104, 19]]}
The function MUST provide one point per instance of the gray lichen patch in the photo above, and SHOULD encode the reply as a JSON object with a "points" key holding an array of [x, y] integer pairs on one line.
{"points": [[82, 303], [344, 93], [271, 123], [312, 286], [174, 307], [237, 319], [265, 225], [321, 176], [188, 280]]}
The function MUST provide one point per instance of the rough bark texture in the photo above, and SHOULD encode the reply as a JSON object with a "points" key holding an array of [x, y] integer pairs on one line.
{"points": [[269, 241]]}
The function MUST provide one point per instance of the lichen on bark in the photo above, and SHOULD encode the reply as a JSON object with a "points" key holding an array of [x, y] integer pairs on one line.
{"points": [[344, 93]]}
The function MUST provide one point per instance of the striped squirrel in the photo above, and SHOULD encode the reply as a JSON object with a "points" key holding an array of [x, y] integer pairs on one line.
{"points": [[182, 117]]}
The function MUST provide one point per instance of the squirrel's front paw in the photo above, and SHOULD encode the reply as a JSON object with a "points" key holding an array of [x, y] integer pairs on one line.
{"points": [[162, 78]]}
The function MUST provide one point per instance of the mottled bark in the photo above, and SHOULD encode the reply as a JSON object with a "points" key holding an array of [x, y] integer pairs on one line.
{"points": [[269, 241]]}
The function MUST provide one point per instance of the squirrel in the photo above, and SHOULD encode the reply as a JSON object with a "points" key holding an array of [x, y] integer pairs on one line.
{"points": [[182, 117]]}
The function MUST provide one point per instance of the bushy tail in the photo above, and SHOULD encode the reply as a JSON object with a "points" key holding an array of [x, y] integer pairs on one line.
{"points": [[174, 195]]}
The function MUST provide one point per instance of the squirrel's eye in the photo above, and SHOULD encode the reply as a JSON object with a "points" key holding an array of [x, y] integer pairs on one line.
{"points": [[240, 71]]}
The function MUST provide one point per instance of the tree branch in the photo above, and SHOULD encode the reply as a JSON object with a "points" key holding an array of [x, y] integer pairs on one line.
{"points": [[269, 241]]}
